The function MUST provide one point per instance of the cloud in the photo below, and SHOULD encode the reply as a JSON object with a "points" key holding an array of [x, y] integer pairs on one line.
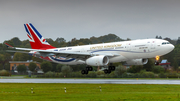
{"points": [[85, 18]]}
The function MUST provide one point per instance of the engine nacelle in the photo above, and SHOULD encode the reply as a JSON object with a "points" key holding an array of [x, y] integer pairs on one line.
{"points": [[137, 61], [97, 61]]}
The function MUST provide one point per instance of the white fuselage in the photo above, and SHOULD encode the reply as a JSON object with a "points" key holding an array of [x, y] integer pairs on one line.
{"points": [[123, 51]]}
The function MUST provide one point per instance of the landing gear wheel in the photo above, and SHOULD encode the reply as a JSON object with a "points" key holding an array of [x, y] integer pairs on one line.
{"points": [[89, 68], [109, 71], [105, 71], [112, 68], [84, 72]]}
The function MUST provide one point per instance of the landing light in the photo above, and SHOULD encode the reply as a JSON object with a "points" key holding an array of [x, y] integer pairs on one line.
{"points": [[157, 58]]}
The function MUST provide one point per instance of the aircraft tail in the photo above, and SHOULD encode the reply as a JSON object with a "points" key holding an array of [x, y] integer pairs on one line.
{"points": [[35, 38]]}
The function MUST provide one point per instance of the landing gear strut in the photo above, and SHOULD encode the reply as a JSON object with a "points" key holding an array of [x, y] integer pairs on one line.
{"points": [[110, 68], [88, 68]]}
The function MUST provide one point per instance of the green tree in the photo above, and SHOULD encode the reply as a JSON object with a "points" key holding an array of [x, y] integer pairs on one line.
{"points": [[120, 70], [50, 41], [80, 67], [135, 69], [58, 67], [4, 58], [7, 66], [60, 40], [16, 41], [32, 66], [21, 68], [37, 59], [149, 65], [21, 57], [53, 69], [178, 41], [158, 69], [66, 70], [175, 65], [25, 44], [46, 66]]}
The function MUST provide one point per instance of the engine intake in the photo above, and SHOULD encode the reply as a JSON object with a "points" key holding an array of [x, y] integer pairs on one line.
{"points": [[97, 61]]}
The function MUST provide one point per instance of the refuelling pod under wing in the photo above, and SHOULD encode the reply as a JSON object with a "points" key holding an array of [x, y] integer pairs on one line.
{"points": [[97, 61], [137, 62]]}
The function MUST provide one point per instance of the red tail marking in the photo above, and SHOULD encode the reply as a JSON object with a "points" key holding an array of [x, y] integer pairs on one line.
{"points": [[29, 36], [44, 40], [37, 43]]}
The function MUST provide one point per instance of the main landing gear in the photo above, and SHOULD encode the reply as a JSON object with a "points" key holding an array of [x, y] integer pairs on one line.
{"points": [[106, 71], [88, 68], [110, 68], [157, 60]]}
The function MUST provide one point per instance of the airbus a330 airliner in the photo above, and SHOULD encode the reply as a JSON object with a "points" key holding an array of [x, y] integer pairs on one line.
{"points": [[132, 52]]}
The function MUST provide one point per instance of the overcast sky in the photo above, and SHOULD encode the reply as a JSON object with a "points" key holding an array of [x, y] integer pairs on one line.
{"points": [[134, 19]]}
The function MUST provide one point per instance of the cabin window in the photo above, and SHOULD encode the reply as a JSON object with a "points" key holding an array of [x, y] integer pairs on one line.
{"points": [[165, 43]]}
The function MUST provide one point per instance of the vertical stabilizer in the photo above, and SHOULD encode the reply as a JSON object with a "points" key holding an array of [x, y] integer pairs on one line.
{"points": [[35, 38]]}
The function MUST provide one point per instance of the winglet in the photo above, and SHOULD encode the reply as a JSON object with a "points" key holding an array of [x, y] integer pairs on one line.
{"points": [[9, 46]]}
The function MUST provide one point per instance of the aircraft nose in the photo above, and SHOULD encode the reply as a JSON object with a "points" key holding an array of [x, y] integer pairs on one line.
{"points": [[171, 47]]}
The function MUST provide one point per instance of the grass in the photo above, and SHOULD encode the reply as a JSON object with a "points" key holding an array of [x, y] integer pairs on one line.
{"points": [[88, 92]]}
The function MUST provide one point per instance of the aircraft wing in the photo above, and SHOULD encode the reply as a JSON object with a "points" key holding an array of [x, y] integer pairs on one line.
{"points": [[67, 54]]}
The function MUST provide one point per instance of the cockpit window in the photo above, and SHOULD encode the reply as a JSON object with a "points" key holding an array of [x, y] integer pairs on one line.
{"points": [[165, 43]]}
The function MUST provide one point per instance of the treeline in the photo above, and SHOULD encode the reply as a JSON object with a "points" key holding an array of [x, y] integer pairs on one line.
{"points": [[120, 72], [61, 42], [5, 57]]}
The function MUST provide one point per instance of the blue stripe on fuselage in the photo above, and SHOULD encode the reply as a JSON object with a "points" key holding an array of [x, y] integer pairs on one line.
{"points": [[55, 59]]}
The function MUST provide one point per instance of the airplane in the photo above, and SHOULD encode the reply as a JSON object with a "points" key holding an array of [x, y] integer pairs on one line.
{"points": [[135, 52]]}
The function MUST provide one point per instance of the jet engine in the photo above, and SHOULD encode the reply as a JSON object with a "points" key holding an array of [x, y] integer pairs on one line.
{"points": [[97, 61], [137, 61]]}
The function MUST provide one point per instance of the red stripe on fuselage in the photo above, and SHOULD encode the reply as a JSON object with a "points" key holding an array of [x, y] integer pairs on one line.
{"points": [[46, 58]]}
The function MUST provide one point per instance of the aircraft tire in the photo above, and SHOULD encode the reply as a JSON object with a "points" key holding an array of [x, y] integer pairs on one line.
{"points": [[84, 72], [90, 68], [105, 71], [113, 68]]}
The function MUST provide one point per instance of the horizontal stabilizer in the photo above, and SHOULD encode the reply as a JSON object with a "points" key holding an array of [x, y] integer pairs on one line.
{"points": [[9, 46]]}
